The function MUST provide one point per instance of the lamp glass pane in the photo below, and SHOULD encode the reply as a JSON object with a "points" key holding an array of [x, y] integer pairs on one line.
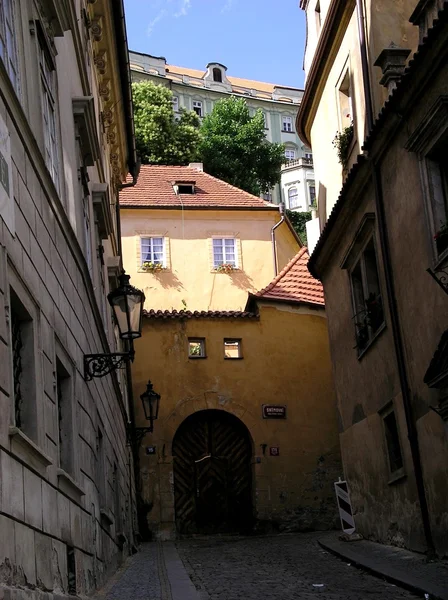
{"points": [[119, 306], [135, 309]]}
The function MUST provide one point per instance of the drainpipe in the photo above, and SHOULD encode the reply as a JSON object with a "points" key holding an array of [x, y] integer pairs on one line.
{"points": [[281, 210], [391, 299]]}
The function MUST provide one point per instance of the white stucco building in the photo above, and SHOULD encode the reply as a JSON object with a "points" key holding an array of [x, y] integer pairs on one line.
{"points": [[199, 90]]}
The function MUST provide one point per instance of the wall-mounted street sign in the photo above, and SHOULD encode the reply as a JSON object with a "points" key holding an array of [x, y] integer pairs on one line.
{"points": [[345, 507], [274, 411], [274, 451], [150, 449]]}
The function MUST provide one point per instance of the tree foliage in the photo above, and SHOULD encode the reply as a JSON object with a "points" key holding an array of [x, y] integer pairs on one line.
{"points": [[234, 148], [298, 221], [160, 138]]}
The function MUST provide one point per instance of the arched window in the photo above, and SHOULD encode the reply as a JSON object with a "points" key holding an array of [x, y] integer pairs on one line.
{"points": [[293, 197], [217, 75]]}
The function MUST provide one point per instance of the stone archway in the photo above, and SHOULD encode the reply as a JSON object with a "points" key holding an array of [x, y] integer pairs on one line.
{"points": [[212, 456]]}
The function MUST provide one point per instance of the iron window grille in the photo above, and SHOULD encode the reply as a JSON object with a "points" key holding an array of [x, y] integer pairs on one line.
{"points": [[17, 346]]}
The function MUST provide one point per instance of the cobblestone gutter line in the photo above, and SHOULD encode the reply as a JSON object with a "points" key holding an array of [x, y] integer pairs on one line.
{"points": [[165, 588]]}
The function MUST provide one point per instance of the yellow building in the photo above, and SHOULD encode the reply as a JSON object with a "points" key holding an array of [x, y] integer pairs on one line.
{"points": [[339, 66], [246, 435], [198, 246], [188, 224]]}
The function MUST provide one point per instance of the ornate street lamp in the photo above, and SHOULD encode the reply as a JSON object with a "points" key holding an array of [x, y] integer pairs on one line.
{"points": [[151, 402], [127, 304]]}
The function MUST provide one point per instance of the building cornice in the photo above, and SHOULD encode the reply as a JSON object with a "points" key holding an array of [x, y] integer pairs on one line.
{"points": [[332, 34]]}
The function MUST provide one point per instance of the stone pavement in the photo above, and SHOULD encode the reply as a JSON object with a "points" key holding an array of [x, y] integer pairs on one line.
{"points": [[405, 568], [282, 567]]}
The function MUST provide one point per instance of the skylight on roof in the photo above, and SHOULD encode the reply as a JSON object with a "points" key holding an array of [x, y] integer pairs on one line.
{"points": [[184, 187]]}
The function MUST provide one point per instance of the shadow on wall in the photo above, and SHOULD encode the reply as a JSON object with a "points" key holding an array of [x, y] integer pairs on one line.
{"points": [[322, 206], [168, 279], [242, 281]]}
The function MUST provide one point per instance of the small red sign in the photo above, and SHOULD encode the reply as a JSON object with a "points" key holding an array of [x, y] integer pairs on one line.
{"points": [[274, 451]]}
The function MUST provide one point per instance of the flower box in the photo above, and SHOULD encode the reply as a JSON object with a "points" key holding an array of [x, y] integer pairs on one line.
{"points": [[151, 267], [225, 268]]}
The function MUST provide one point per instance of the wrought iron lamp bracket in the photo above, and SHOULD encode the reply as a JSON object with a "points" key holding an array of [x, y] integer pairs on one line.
{"points": [[441, 277], [140, 432], [99, 365]]}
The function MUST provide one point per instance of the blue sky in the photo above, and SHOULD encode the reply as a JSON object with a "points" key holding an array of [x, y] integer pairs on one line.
{"points": [[255, 39]]}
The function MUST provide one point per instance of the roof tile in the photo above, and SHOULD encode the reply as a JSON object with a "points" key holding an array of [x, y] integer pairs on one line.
{"points": [[295, 283], [154, 189]]}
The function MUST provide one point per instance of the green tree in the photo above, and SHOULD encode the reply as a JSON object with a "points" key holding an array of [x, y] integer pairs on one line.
{"points": [[160, 138], [234, 147], [298, 221]]}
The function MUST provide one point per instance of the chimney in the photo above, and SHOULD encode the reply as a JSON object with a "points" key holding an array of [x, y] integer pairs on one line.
{"points": [[392, 62], [197, 166]]}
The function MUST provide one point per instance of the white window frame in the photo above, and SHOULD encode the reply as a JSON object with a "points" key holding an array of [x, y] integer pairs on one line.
{"points": [[291, 196], [150, 248], [290, 151], [8, 39], [199, 105], [176, 103], [308, 155], [223, 240], [312, 200], [287, 125], [47, 76]]}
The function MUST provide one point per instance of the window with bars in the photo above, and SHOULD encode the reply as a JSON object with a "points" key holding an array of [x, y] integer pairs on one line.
{"points": [[8, 37], [224, 252], [153, 251], [293, 197], [366, 297], [17, 366], [23, 356], [287, 124], [48, 97]]}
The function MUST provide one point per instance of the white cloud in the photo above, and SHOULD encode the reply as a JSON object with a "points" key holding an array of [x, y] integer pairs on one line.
{"points": [[183, 9], [154, 22], [180, 9]]}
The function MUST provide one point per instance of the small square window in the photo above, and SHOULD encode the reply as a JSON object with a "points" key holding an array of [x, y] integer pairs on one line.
{"points": [[196, 348], [232, 348]]}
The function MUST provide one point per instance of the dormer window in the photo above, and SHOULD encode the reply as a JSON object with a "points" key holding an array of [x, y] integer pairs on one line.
{"points": [[184, 187], [217, 75]]}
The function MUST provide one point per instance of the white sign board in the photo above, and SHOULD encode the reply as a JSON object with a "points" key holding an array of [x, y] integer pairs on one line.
{"points": [[345, 507], [6, 191]]}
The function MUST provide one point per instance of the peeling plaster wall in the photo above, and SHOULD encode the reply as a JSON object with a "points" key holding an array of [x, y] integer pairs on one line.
{"points": [[285, 361]]}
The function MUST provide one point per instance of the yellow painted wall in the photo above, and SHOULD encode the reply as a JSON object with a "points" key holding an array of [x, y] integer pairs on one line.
{"points": [[386, 21], [189, 277], [285, 361]]}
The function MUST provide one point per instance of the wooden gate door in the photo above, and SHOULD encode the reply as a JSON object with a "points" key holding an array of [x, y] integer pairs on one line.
{"points": [[212, 474]]}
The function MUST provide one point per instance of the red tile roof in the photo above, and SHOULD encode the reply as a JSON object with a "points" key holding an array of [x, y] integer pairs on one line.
{"points": [[154, 189], [198, 314], [294, 284]]}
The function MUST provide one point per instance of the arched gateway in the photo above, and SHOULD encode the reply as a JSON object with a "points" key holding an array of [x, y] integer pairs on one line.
{"points": [[212, 452]]}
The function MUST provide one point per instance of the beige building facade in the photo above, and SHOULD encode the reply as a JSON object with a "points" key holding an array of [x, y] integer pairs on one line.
{"points": [[382, 259], [67, 506]]}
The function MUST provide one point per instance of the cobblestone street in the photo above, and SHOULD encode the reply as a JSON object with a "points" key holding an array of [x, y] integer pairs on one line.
{"points": [[286, 567]]}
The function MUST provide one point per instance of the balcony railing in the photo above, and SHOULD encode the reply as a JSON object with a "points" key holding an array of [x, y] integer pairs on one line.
{"points": [[298, 162]]}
